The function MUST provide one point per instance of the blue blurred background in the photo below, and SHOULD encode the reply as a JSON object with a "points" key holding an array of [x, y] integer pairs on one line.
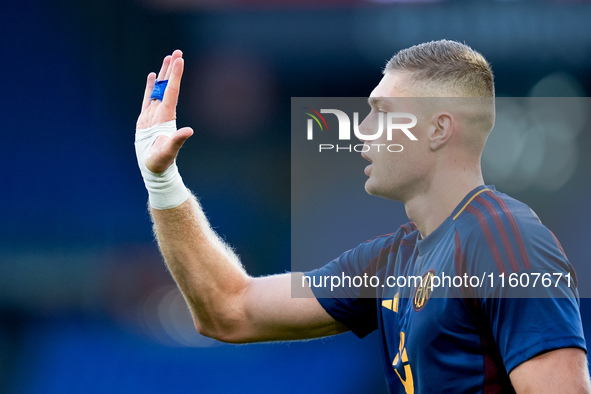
{"points": [[86, 303]]}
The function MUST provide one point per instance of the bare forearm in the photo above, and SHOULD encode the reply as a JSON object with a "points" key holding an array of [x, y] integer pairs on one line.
{"points": [[225, 302], [206, 270], [562, 370]]}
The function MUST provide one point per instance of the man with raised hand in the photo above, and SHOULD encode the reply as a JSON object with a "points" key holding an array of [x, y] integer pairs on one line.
{"points": [[481, 342]]}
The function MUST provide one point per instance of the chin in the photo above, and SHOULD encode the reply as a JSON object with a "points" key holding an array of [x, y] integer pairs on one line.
{"points": [[369, 188], [374, 190]]}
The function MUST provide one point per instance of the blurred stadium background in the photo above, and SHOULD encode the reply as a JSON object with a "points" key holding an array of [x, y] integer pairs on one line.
{"points": [[86, 304]]}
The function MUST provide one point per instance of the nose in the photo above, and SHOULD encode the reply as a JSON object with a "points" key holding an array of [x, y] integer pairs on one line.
{"points": [[363, 128]]}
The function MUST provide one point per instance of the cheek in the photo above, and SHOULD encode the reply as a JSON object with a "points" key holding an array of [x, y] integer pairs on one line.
{"points": [[379, 146], [390, 164]]}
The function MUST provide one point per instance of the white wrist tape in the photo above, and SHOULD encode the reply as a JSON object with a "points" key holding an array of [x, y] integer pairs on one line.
{"points": [[166, 190]]}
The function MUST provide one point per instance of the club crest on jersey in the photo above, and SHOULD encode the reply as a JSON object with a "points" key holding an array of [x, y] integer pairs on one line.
{"points": [[423, 292]]}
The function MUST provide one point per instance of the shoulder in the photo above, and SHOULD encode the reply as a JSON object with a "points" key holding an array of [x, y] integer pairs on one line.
{"points": [[491, 210], [503, 230], [368, 257], [384, 245], [406, 233]]}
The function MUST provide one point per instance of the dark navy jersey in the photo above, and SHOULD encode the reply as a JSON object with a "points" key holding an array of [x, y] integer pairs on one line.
{"points": [[474, 312]]}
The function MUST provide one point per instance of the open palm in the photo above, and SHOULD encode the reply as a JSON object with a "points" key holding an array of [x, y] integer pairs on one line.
{"points": [[164, 149]]}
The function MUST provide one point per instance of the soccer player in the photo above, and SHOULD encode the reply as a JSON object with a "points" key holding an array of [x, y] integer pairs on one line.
{"points": [[434, 340]]}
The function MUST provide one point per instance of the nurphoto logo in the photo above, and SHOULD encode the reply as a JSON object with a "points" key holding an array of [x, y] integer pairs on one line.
{"points": [[389, 121]]}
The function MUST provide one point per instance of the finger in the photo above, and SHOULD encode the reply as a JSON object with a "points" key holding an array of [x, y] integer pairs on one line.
{"points": [[171, 146], [179, 138], [175, 55], [165, 150], [164, 68], [171, 94], [148, 92]]}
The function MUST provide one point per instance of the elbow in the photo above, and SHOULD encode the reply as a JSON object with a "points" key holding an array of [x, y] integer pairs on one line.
{"points": [[227, 331], [225, 320], [226, 335]]}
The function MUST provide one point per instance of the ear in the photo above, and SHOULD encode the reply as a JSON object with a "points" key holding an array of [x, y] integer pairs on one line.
{"points": [[441, 130]]}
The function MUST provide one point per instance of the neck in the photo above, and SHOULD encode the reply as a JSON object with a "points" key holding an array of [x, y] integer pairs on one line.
{"points": [[430, 208]]}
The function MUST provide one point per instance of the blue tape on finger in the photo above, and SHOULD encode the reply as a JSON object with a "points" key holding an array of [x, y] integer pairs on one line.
{"points": [[159, 88]]}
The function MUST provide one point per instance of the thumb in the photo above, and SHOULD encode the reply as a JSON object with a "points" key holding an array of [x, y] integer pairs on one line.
{"points": [[179, 137], [172, 145], [165, 149]]}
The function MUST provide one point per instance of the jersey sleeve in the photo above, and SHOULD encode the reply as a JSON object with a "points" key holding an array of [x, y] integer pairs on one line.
{"points": [[529, 300], [341, 286], [526, 327]]}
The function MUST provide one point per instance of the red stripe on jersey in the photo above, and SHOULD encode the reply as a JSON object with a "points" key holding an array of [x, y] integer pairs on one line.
{"points": [[406, 229], [461, 269], [514, 228], [495, 377], [502, 232], [496, 380], [489, 237], [572, 270], [407, 243], [559, 245], [381, 260], [458, 255]]}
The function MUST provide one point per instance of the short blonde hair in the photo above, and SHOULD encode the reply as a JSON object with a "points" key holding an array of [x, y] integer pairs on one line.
{"points": [[448, 64]]}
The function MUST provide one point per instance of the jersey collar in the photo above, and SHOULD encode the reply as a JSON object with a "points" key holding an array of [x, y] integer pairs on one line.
{"points": [[468, 199], [430, 241]]}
